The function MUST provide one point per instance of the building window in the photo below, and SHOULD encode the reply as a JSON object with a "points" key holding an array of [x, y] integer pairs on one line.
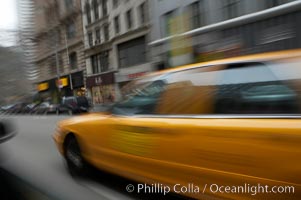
{"points": [[94, 63], [97, 34], [90, 38], [142, 12], [100, 62], [167, 26], [73, 60], [129, 19], [69, 4], [58, 37], [115, 3], [53, 65], [273, 3], [96, 11], [132, 53], [104, 61], [195, 15], [71, 30], [106, 32], [61, 64], [116, 24], [88, 12], [104, 8], [231, 9]]}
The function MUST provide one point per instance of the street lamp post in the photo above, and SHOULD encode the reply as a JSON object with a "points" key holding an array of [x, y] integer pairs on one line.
{"points": [[57, 68]]}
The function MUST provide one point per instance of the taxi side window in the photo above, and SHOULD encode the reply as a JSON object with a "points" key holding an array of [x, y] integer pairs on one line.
{"points": [[189, 92], [253, 88], [141, 99], [239, 88]]}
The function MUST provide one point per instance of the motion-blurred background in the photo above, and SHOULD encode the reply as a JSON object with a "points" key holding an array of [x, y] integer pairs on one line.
{"points": [[58, 48]]}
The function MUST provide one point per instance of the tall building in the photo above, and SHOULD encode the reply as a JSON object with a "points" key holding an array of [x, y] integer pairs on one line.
{"points": [[60, 48], [116, 37], [26, 37], [14, 85], [192, 31]]}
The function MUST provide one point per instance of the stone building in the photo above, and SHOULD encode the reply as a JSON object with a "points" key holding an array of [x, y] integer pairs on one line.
{"points": [[116, 37], [60, 48]]}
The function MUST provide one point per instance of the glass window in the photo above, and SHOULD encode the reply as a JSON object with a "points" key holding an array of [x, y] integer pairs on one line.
{"points": [[104, 8], [90, 38], [239, 88], [116, 24], [97, 34], [129, 19], [88, 12], [231, 8], [142, 11], [140, 97], [132, 52], [61, 64], [195, 15], [100, 62], [253, 89], [96, 9], [115, 3], [247, 88], [73, 60], [94, 63], [273, 3], [69, 4], [52, 65], [103, 59], [167, 26], [58, 37], [71, 30], [106, 32]]}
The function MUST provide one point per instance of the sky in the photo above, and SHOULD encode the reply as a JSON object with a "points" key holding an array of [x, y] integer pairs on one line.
{"points": [[8, 21]]}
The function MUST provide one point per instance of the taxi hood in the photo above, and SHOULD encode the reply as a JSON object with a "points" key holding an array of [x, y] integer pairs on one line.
{"points": [[83, 118]]}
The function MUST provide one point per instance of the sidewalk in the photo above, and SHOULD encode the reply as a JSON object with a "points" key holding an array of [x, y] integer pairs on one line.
{"points": [[100, 107]]}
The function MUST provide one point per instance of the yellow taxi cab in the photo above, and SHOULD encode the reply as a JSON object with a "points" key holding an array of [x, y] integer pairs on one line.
{"points": [[225, 129]]}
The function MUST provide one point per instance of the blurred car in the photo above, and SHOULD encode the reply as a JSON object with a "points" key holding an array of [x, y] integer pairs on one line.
{"points": [[30, 107], [74, 105], [45, 108], [6, 109], [17, 108], [231, 122], [41, 108]]}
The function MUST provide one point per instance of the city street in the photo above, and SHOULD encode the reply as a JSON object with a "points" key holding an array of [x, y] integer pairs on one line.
{"points": [[32, 156]]}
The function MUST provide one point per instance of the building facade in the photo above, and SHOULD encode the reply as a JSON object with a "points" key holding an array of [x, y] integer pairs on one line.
{"points": [[192, 31], [116, 36], [26, 33], [60, 48]]}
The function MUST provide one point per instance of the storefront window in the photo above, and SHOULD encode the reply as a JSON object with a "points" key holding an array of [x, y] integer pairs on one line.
{"points": [[103, 94]]}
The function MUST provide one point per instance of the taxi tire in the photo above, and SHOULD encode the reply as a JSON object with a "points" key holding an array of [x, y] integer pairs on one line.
{"points": [[75, 162]]}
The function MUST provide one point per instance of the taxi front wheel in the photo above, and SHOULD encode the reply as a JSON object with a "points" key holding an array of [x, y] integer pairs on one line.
{"points": [[75, 162]]}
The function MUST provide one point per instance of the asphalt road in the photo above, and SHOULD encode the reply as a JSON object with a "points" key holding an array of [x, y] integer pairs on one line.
{"points": [[32, 156]]}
